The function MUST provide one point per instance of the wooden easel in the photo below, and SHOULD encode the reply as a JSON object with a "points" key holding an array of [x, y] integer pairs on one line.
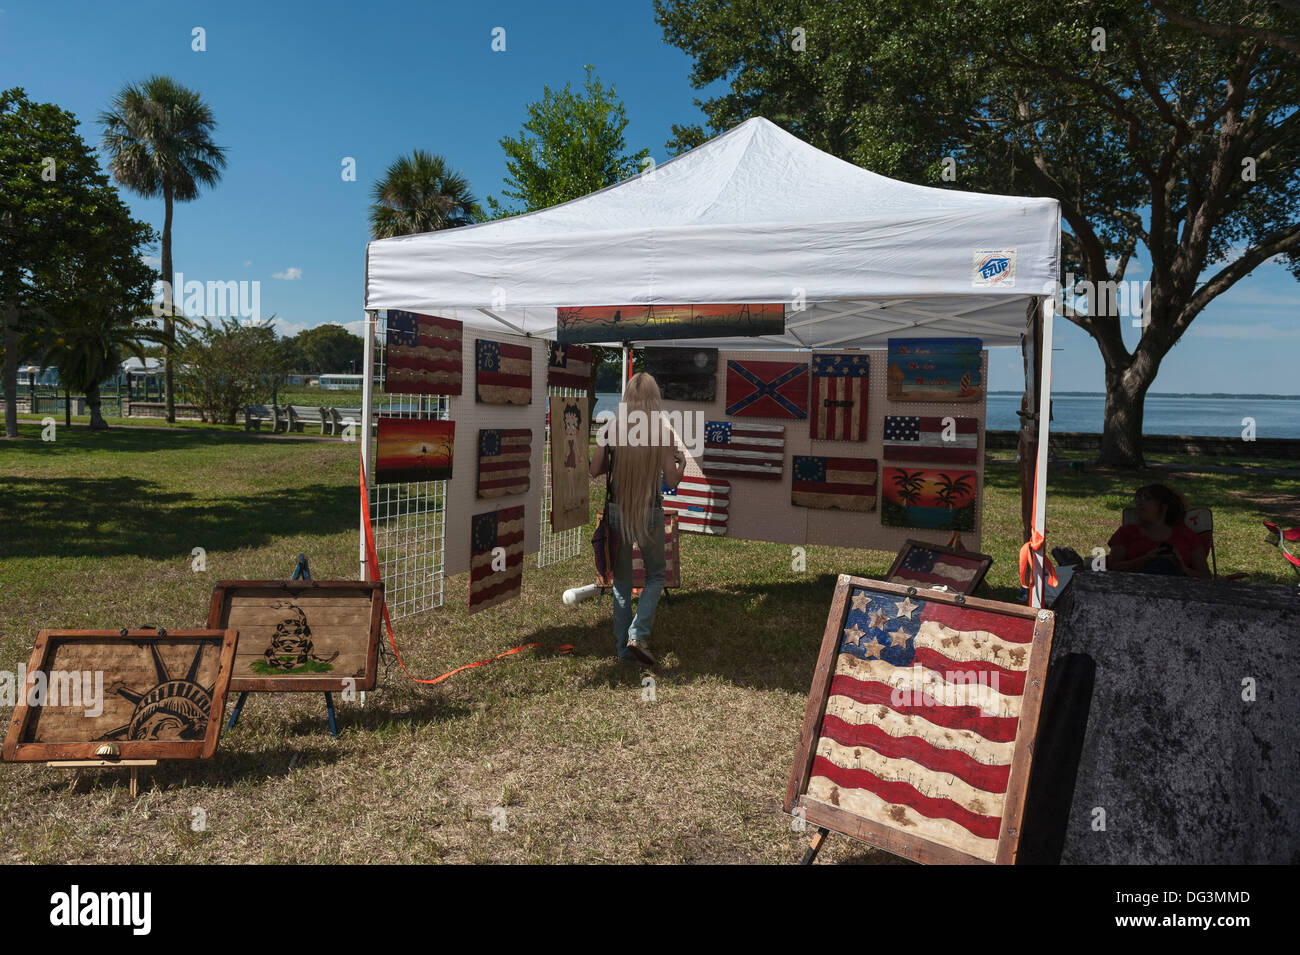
{"points": [[134, 764], [814, 846], [300, 572]]}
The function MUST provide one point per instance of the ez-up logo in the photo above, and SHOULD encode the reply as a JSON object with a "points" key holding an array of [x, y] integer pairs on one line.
{"points": [[993, 267]]}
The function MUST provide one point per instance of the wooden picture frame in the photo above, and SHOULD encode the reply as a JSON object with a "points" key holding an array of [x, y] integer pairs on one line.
{"points": [[289, 612], [898, 574], [887, 826], [144, 655]]}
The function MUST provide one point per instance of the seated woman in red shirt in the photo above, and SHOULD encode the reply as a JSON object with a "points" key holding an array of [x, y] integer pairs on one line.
{"points": [[1159, 543]]}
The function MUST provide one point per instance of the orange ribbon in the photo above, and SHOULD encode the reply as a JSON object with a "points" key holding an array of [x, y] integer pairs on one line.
{"points": [[1035, 545], [372, 574]]}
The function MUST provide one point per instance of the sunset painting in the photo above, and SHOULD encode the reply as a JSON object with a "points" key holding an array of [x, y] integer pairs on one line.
{"points": [[639, 323], [933, 498], [414, 450]]}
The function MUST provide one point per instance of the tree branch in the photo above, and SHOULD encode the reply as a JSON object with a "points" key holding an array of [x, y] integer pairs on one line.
{"points": [[1225, 32], [1280, 242]]}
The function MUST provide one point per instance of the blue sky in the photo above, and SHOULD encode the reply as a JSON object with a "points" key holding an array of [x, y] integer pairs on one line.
{"points": [[297, 87]]}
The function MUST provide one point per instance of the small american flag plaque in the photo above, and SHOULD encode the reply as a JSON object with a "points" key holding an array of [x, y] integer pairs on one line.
{"points": [[919, 731], [927, 566]]}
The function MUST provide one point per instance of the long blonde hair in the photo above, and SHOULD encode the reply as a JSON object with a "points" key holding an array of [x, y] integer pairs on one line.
{"points": [[637, 466]]}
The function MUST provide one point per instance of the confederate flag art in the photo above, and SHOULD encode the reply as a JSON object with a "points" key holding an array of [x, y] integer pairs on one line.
{"points": [[767, 389]]}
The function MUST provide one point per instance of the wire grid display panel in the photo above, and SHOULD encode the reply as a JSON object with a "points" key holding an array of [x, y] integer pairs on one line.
{"points": [[761, 510], [552, 547], [409, 519]]}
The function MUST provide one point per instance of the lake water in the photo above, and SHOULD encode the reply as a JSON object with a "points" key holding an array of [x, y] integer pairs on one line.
{"points": [[1274, 418]]}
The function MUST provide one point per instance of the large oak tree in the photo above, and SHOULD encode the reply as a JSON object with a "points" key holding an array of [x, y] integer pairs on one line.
{"points": [[1168, 132]]}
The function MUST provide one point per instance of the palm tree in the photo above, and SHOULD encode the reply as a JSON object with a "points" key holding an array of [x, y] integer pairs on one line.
{"points": [[952, 488], [420, 193], [158, 136], [87, 344], [908, 486]]}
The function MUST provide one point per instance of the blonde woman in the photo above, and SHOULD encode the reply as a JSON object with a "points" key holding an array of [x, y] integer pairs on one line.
{"points": [[640, 459]]}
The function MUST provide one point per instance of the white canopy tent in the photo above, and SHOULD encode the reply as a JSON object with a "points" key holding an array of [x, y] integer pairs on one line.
{"points": [[754, 215]]}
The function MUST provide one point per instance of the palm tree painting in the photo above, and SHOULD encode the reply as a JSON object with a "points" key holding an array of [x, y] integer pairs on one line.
{"points": [[929, 498], [158, 136]]}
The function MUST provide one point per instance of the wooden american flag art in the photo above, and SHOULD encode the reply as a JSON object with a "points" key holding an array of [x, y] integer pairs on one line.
{"points": [[505, 373], [839, 397], [700, 504], [932, 439], [568, 366], [741, 449], [929, 565], [422, 354], [846, 484], [496, 565], [504, 461], [919, 731]]}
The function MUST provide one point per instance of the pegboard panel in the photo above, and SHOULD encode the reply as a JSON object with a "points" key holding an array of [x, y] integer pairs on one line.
{"points": [[761, 509], [470, 416]]}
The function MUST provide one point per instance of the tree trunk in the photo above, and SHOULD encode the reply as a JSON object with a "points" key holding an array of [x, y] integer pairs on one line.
{"points": [[67, 407], [169, 276], [93, 402], [11, 372], [1121, 439]]}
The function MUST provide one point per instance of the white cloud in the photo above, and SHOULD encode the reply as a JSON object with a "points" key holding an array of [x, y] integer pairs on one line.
{"points": [[247, 262], [1258, 332], [287, 329], [1261, 298], [151, 260], [1134, 266], [288, 274]]}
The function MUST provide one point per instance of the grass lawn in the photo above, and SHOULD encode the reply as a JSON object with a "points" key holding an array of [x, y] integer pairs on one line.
{"points": [[99, 530]]}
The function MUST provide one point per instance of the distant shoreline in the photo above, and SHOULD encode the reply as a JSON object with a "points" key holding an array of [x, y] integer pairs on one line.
{"points": [[1167, 394], [1154, 394]]}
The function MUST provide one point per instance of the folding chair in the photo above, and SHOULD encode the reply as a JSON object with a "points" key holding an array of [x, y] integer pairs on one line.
{"points": [[1200, 520]]}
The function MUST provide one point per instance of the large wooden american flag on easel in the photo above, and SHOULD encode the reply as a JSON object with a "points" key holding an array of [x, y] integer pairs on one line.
{"points": [[920, 725]]}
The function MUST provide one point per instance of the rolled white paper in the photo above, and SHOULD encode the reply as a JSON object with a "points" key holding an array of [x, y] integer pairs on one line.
{"points": [[576, 595]]}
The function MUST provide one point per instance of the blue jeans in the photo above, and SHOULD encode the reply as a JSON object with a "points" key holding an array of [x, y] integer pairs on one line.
{"points": [[652, 557], [1163, 566]]}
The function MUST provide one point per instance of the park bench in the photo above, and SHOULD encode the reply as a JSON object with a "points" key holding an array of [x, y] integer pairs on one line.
{"points": [[254, 415], [299, 415], [339, 417], [280, 416]]}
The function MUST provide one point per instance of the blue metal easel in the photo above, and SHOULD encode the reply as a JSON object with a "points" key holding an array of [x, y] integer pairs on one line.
{"points": [[300, 572]]}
